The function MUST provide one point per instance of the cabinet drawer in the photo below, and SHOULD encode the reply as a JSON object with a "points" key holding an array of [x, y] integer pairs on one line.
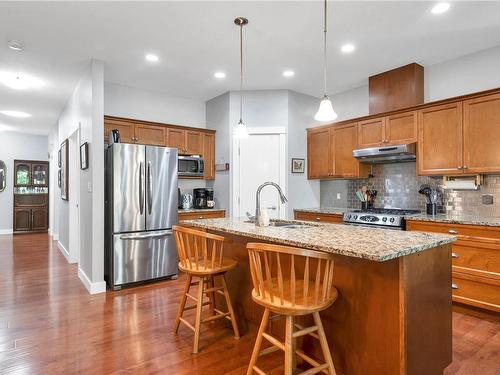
{"points": [[25, 200], [201, 215], [311, 216], [463, 231], [475, 256], [476, 291]]}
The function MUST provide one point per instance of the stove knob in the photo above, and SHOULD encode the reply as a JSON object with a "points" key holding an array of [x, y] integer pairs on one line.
{"points": [[384, 219], [391, 220], [349, 217], [355, 217]]}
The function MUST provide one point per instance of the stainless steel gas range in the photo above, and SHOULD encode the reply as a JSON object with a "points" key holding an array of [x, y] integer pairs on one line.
{"points": [[390, 218]]}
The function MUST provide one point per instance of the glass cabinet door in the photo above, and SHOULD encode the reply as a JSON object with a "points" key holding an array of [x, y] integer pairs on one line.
{"points": [[40, 174], [22, 174]]}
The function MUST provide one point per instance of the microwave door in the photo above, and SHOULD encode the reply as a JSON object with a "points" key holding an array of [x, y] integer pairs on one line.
{"points": [[128, 187], [161, 187]]}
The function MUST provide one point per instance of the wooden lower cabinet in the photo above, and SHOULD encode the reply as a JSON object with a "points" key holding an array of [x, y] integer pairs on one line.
{"points": [[22, 219], [209, 214], [319, 217], [39, 219], [475, 262]]}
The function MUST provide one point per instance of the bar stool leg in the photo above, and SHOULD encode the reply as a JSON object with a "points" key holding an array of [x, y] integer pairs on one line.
{"points": [[230, 308], [289, 346], [180, 312], [199, 305], [258, 342], [211, 295], [324, 344]]}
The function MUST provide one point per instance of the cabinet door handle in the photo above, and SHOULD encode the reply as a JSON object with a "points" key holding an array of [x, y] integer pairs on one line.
{"points": [[200, 217], [318, 219], [460, 167], [452, 231], [455, 255], [465, 167], [454, 286]]}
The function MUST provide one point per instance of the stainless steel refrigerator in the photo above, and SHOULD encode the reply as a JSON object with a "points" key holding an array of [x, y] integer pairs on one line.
{"points": [[140, 209]]}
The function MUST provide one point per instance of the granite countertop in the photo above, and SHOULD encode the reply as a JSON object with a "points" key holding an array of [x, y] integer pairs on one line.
{"points": [[326, 210], [355, 241], [195, 210], [473, 219]]}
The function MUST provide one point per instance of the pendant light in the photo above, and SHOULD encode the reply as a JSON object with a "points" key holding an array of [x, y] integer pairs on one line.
{"points": [[240, 130], [325, 112]]}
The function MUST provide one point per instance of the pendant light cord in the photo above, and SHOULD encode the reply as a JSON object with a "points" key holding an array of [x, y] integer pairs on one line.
{"points": [[241, 72], [324, 51]]}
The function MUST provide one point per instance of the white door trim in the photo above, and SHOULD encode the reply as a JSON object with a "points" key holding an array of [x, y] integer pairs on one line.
{"points": [[74, 197], [281, 130]]}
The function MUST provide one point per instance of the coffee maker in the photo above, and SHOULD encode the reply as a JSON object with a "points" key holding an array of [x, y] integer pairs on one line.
{"points": [[200, 198]]}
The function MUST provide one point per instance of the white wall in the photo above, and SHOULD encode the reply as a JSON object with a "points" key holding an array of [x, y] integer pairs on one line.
{"points": [[470, 73], [302, 193], [14, 145], [85, 110], [124, 101]]}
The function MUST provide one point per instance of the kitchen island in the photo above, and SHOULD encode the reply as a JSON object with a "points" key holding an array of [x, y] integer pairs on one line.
{"points": [[393, 314]]}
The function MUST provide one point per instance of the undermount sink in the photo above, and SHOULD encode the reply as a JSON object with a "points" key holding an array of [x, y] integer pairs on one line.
{"points": [[286, 224]]}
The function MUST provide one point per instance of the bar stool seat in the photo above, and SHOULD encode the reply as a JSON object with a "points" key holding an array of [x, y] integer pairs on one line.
{"points": [[201, 255], [206, 268], [290, 282], [301, 306]]}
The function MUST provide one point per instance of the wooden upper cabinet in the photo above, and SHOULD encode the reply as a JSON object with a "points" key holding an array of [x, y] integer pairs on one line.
{"points": [[344, 140], [318, 154], [177, 138], [440, 140], [481, 124], [401, 128], [209, 155], [150, 135], [371, 133], [194, 142], [126, 129]]}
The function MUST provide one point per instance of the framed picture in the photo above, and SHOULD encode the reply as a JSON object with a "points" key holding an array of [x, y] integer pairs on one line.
{"points": [[59, 158], [84, 156], [64, 150], [298, 165], [59, 178]]}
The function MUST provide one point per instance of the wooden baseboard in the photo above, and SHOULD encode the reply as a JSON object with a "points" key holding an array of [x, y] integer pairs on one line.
{"points": [[476, 312]]}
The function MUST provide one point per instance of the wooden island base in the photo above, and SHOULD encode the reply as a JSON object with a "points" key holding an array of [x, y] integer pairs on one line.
{"points": [[391, 317]]}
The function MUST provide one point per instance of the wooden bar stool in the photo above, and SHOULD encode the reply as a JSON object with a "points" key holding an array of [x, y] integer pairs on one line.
{"points": [[291, 281], [201, 255]]}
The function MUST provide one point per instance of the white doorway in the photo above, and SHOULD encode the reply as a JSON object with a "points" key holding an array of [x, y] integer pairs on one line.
{"points": [[259, 158], [74, 196]]}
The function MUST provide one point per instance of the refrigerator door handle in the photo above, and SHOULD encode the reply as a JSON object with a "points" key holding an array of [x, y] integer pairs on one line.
{"points": [[141, 188], [150, 189], [160, 234]]}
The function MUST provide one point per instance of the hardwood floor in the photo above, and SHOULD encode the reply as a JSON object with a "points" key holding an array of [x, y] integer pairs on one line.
{"points": [[49, 324]]}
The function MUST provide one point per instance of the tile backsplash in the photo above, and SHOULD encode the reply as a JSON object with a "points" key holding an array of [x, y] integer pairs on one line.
{"points": [[397, 185]]}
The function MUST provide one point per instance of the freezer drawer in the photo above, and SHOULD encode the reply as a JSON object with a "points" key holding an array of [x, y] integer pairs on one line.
{"points": [[143, 256]]}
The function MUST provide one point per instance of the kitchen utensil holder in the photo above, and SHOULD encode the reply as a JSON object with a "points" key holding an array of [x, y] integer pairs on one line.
{"points": [[431, 209]]}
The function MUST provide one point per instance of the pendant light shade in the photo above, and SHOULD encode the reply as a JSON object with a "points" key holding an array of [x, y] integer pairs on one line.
{"points": [[325, 112], [240, 130]]}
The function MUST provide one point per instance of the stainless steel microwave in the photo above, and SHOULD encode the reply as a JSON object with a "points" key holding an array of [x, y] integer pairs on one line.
{"points": [[191, 166]]}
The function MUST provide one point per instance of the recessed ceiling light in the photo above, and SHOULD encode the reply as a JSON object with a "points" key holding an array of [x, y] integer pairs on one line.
{"points": [[440, 8], [152, 58], [16, 45], [288, 73], [19, 81], [220, 75], [18, 114], [347, 48]]}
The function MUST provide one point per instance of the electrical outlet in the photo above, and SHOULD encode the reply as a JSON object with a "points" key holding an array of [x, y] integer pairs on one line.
{"points": [[487, 198], [338, 195]]}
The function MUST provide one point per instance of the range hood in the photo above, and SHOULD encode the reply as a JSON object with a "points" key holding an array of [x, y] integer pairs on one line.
{"points": [[386, 154]]}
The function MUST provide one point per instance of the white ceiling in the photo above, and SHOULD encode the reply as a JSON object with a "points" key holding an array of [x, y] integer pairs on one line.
{"points": [[195, 39]]}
